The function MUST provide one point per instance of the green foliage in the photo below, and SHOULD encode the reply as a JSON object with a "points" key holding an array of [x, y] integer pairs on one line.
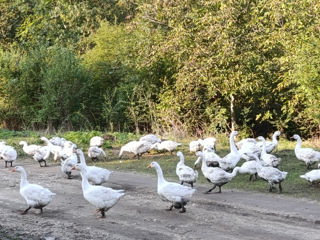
{"points": [[44, 88], [184, 67], [66, 23]]}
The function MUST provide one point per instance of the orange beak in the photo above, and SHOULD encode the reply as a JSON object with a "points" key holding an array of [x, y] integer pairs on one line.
{"points": [[149, 166], [73, 168], [13, 170]]}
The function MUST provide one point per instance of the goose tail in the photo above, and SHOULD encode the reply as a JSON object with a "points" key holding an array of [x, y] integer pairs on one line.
{"points": [[303, 176]]}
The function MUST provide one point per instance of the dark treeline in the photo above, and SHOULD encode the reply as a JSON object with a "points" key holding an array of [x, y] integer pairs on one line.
{"points": [[182, 66]]}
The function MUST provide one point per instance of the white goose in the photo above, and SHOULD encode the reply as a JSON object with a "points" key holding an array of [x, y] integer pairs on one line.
{"points": [[136, 147], [29, 149], [66, 165], [151, 138], [308, 155], [8, 154], [271, 145], [208, 142], [103, 198], [210, 156], [312, 176], [96, 175], [42, 154], [195, 146], [245, 141], [267, 158], [185, 173], [58, 141], [272, 176], [35, 195], [95, 152], [250, 167], [175, 193], [168, 145], [67, 150], [96, 141], [249, 148], [215, 175], [230, 161], [56, 150]]}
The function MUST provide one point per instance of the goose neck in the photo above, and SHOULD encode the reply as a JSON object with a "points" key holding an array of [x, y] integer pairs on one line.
{"points": [[160, 175], [181, 158], [85, 183], [274, 139], [264, 150], [82, 159], [233, 147], [235, 171], [204, 166], [299, 143], [24, 180]]}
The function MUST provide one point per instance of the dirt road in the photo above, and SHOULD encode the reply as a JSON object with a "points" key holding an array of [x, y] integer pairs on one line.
{"points": [[141, 214]]}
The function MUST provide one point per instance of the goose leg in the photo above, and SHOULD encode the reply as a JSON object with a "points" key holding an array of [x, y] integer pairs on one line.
{"points": [[170, 208], [250, 178], [102, 213], [41, 211], [25, 211], [11, 164], [308, 165], [191, 184], [214, 186], [181, 182], [256, 175], [219, 189], [183, 209], [45, 163], [7, 163], [280, 187], [40, 163], [69, 175], [270, 188]]}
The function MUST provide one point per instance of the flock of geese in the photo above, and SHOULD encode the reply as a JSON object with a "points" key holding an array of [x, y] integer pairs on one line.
{"points": [[259, 161]]}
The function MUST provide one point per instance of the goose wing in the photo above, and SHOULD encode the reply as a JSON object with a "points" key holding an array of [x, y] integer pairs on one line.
{"points": [[36, 194], [102, 197], [175, 192]]}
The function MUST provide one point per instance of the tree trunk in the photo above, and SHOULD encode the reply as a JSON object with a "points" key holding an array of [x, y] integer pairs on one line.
{"points": [[233, 116]]}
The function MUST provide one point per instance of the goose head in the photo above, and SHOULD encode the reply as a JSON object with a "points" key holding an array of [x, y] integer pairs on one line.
{"points": [[78, 167], [179, 154], [208, 148], [234, 133], [153, 165], [44, 139], [296, 136], [17, 169], [22, 143], [78, 151], [277, 133], [260, 138], [155, 146]]}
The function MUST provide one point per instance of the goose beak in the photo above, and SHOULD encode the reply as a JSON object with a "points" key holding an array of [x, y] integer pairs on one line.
{"points": [[73, 168], [149, 166], [13, 170]]}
